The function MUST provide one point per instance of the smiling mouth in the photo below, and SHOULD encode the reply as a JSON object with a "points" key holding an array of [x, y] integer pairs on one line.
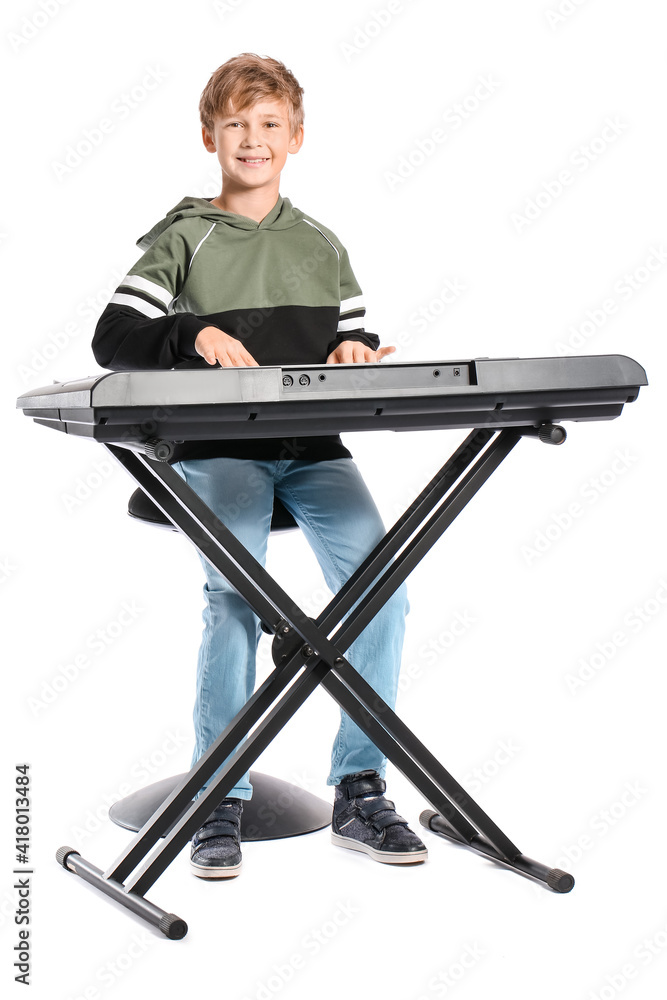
{"points": [[253, 160]]}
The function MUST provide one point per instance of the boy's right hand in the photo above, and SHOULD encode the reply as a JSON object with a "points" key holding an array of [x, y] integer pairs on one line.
{"points": [[216, 345]]}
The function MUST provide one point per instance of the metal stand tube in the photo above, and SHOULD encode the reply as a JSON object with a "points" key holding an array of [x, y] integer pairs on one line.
{"points": [[556, 879], [170, 925]]}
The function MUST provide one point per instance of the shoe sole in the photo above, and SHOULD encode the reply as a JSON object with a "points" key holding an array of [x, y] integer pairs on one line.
{"points": [[386, 857], [201, 871]]}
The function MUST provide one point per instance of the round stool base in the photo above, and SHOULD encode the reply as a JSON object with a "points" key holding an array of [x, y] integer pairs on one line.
{"points": [[277, 808]]}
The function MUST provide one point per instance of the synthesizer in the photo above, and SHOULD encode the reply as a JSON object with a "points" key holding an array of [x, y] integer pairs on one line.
{"points": [[204, 404]]}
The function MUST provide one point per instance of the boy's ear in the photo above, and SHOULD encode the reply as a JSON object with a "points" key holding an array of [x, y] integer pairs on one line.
{"points": [[208, 139], [296, 141]]}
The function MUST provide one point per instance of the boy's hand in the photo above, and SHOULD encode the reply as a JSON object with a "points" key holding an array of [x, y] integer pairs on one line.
{"points": [[352, 352], [216, 345]]}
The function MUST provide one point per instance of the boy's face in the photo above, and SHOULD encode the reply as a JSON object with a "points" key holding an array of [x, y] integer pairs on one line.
{"points": [[252, 145]]}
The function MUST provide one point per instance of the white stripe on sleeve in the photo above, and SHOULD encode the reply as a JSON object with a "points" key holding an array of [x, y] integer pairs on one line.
{"points": [[347, 305], [120, 299], [356, 323], [144, 285]]}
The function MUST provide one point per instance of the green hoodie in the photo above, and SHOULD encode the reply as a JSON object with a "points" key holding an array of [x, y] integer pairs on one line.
{"points": [[283, 286]]}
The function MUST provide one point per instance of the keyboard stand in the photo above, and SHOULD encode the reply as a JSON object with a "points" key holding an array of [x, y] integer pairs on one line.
{"points": [[305, 657]]}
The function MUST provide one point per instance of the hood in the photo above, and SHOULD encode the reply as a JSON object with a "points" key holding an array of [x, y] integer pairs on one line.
{"points": [[283, 215]]}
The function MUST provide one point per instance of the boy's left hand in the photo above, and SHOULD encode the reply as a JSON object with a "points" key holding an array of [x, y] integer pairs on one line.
{"points": [[353, 352]]}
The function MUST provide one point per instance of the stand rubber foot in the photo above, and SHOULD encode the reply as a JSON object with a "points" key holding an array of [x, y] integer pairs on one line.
{"points": [[63, 853], [173, 927], [560, 881]]}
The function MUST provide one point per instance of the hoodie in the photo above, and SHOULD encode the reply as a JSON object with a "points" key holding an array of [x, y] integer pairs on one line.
{"points": [[283, 286]]}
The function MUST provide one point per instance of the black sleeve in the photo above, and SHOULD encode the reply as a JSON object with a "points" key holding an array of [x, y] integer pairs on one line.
{"points": [[126, 340], [362, 336]]}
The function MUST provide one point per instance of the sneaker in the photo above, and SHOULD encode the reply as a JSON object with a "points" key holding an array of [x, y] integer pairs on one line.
{"points": [[364, 820], [216, 847]]}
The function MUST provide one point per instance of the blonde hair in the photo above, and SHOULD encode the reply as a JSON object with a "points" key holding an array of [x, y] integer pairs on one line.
{"points": [[246, 79]]}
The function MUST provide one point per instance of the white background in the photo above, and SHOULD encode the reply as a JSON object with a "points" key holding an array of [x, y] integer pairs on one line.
{"points": [[560, 559]]}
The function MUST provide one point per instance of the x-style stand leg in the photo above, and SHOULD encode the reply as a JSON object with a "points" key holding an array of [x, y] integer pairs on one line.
{"points": [[306, 657]]}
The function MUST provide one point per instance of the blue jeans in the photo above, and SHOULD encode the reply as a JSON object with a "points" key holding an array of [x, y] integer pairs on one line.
{"points": [[338, 516]]}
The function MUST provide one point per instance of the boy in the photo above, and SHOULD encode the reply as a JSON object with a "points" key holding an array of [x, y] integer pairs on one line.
{"points": [[246, 279]]}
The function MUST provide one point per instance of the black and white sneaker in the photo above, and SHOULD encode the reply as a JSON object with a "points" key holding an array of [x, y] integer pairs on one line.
{"points": [[216, 846], [364, 820]]}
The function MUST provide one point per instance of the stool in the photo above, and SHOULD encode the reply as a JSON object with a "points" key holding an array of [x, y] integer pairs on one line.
{"points": [[142, 508], [277, 808]]}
